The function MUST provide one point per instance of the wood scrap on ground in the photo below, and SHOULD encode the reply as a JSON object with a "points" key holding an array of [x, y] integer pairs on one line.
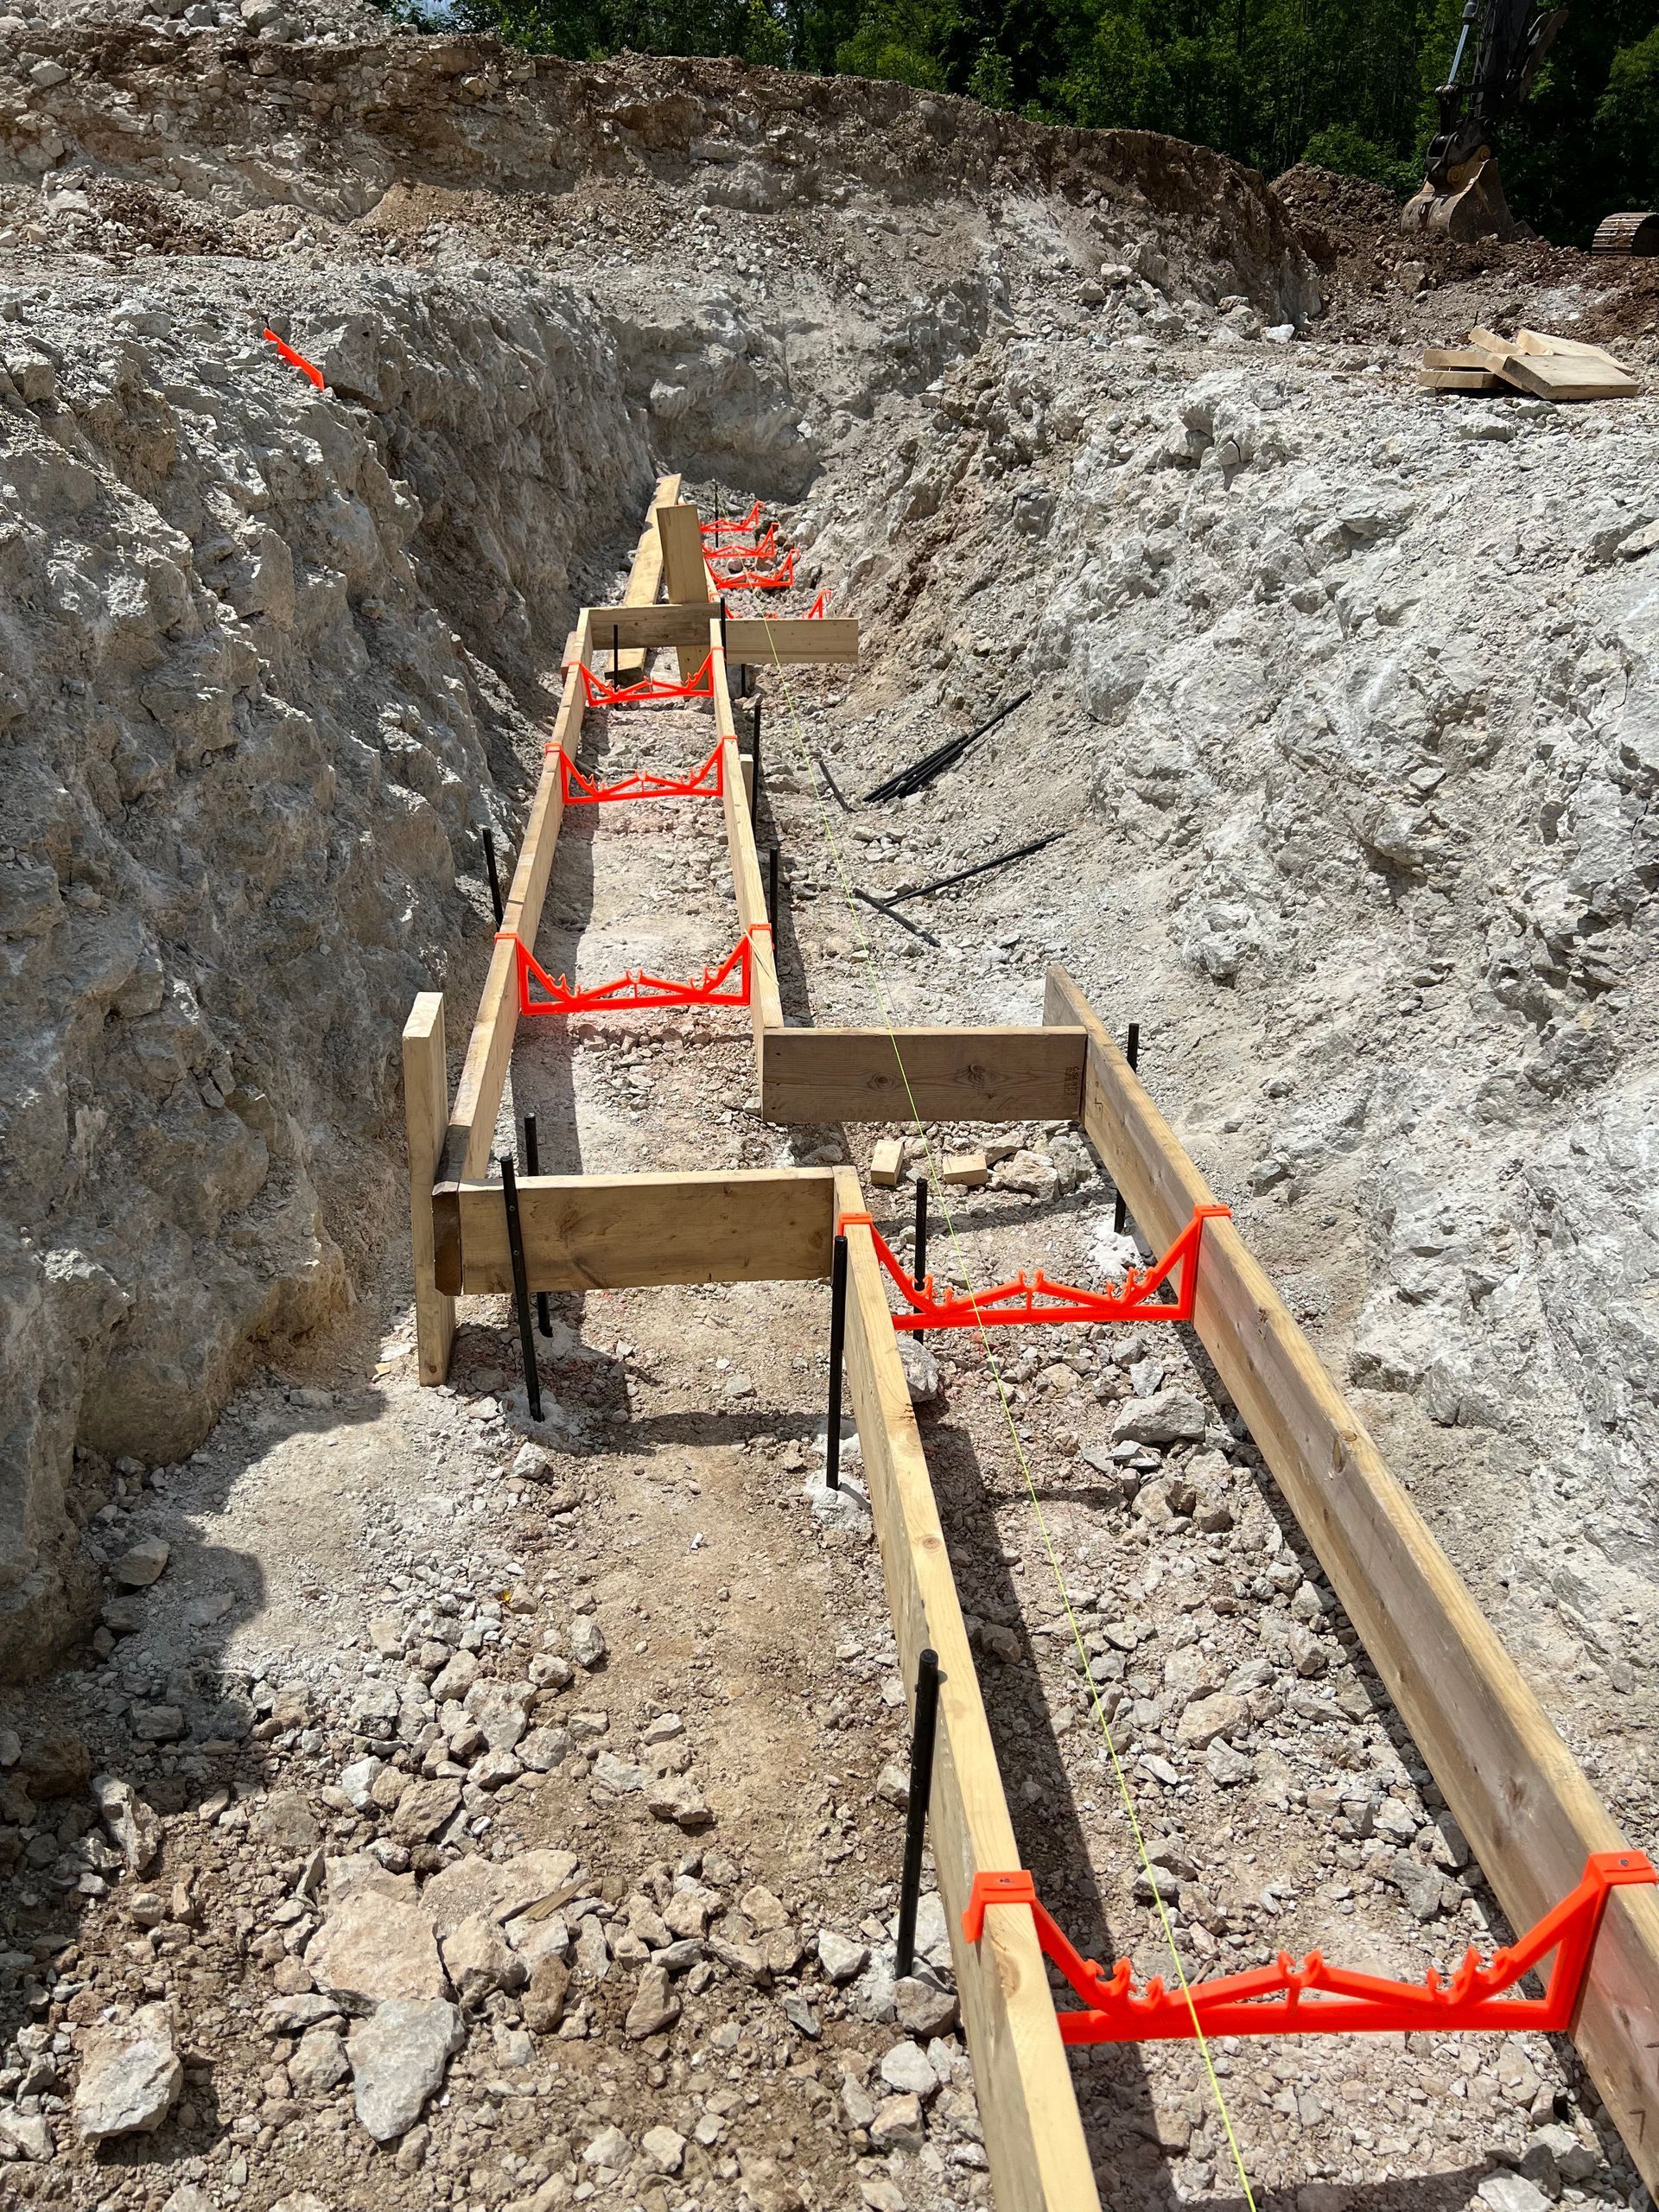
{"points": [[1532, 362]]}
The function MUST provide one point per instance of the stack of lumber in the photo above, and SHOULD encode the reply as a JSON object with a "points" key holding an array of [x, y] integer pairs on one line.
{"points": [[1532, 361]]}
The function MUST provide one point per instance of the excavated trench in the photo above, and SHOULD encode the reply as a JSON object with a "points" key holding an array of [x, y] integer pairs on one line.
{"points": [[1353, 766]]}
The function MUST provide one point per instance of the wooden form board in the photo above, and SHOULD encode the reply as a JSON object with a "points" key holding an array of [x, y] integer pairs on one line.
{"points": [[830, 639], [687, 578], [489, 1049], [426, 1086], [766, 1005], [1033, 2134], [1527, 1807], [946, 1075], [645, 574], [621, 1232]]}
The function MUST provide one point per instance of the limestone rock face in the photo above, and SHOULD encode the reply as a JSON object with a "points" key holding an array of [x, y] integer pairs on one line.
{"points": [[249, 759]]}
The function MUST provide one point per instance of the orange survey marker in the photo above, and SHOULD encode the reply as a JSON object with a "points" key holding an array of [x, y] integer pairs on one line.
{"points": [[726, 985], [1314, 1999], [1010, 1305], [298, 361], [706, 782]]}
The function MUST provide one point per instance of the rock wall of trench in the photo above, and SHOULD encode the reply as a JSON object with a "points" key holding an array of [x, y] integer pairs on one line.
{"points": [[266, 659]]}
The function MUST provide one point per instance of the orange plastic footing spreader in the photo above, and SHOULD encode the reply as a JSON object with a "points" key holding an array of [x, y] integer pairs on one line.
{"points": [[1314, 1999]]}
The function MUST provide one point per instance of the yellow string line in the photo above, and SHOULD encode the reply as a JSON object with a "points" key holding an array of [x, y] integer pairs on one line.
{"points": [[878, 985]]}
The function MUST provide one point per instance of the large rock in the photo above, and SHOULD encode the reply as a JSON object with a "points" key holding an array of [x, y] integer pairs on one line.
{"points": [[1206, 1717], [1168, 1417], [129, 2074], [654, 2008], [136, 1828], [500, 1888], [479, 1961], [376, 1948], [399, 2056]]}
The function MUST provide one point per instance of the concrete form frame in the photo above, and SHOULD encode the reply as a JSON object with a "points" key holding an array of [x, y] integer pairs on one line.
{"points": [[1530, 1813]]}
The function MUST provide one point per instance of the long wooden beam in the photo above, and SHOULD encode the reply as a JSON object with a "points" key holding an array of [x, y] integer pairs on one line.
{"points": [[489, 1049], [687, 580], [1526, 1806], [766, 1005], [831, 639], [620, 1232], [1034, 2133], [644, 577], [935, 1075]]}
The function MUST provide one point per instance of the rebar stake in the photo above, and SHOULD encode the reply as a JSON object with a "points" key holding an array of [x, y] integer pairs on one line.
{"points": [[490, 870], [1132, 1054], [837, 1342], [771, 891], [755, 765], [520, 1286], [921, 1236], [616, 655], [533, 1165], [923, 1731]]}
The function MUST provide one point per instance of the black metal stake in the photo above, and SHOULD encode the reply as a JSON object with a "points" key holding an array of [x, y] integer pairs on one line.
{"points": [[921, 1239], [1132, 1054], [772, 893], [533, 1163], [616, 655], [490, 870], [716, 517], [521, 1287], [922, 1734], [755, 765], [837, 1342]]}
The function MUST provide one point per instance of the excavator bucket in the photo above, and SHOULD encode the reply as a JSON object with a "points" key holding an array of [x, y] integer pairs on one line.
{"points": [[1473, 209]]}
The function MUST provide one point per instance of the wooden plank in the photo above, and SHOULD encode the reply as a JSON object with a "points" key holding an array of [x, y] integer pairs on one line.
{"points": [[1556, 377], [1528, 1809], [618, 1232], [425, 1089], [946, 1075], [1545, 343], [489, 1049], [1033, 2134], [831, 640], [1452, 357], [1549, 376], [688, 579], [645, 572], [766, 1005], [1459, 380]]}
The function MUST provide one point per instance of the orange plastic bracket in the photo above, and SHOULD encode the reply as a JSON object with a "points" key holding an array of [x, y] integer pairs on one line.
{"points": [[775, 579], [1314, 1999], [649, 691], [725, 522], [578, 789], [1022, 1303], [726, 985]]}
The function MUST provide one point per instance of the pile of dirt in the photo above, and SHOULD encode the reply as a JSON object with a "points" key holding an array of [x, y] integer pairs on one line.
{"points": [[1381, 282]]}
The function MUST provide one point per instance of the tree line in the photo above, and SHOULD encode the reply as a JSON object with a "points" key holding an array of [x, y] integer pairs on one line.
{"points": [[1347, 84]]}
